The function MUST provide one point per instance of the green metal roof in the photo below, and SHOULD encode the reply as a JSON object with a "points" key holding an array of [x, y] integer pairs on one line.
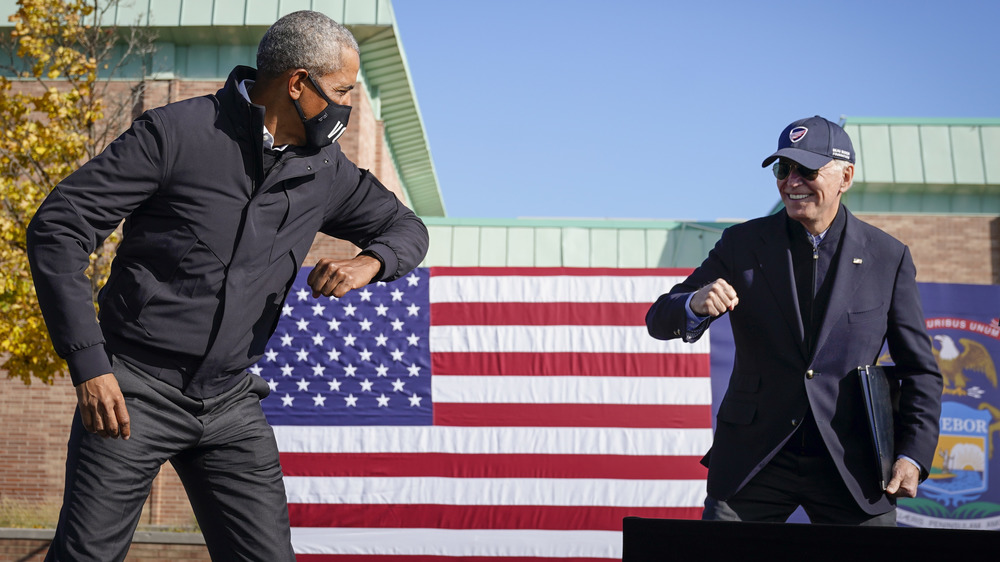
{"points": [[569, 242], [203, 40], [925, 165]]}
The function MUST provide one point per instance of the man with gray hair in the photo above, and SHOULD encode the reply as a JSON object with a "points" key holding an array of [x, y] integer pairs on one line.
{"points": [[812, 293], [221, 196]]}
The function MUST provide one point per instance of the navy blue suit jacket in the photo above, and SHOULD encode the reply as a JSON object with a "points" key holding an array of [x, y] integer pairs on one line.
{"points": [[775, 379]]}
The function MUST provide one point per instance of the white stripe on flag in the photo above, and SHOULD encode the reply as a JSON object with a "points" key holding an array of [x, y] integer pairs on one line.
{"points": [[503, 288], [572, 390], [495, 491], [493, 440], [556, 339], [452, 542]]}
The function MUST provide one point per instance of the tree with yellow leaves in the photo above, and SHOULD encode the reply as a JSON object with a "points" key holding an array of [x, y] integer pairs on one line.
{"points": [[57, 110]]}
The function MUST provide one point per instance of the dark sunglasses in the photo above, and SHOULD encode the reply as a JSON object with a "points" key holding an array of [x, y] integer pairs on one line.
{"points": [[783, 169]]}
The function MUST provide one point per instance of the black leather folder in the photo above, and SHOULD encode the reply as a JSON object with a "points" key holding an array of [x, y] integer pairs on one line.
{"points": [[878, 398]]}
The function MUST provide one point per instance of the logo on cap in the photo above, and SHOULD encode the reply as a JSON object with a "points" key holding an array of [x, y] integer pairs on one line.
{"points": [[796, 134]]}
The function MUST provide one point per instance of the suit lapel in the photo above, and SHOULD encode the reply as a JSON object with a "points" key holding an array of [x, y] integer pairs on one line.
{"points": [[774, 258], [849, 276]]}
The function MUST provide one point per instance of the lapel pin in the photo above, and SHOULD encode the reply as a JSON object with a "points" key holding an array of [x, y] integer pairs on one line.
{"points": [[857, 261]]}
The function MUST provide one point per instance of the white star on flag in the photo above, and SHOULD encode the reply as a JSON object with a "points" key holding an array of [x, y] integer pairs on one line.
{"points": [[546, 408]]}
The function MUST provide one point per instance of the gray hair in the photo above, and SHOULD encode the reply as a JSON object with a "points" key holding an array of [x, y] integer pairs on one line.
{"points": [[839, 165], [304, 39]]}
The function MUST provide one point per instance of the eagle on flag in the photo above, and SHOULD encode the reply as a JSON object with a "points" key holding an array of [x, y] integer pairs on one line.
{"points": [[954, 363]]}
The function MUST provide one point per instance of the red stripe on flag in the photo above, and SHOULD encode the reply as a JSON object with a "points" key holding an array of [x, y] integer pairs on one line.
{"points": [[577, 364], [572, 415], [436, 516], [539, 314], [558, 271], [623, 467]]}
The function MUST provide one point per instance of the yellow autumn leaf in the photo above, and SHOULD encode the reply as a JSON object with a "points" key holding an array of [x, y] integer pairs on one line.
{"points": [[45, 134]]}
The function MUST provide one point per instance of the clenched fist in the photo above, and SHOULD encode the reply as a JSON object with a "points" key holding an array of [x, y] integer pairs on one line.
{"points": [[338, 277], [714, 299]]}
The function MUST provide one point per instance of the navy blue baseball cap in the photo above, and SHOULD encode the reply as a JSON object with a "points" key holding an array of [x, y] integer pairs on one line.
{"points": [[813, 142]]}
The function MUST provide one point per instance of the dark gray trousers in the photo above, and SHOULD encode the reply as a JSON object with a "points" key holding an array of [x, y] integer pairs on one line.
{"points": [[791, 480], [223, 450]]}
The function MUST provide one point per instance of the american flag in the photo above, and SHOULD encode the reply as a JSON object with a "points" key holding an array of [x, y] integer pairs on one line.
{"points": [[494, 413]]}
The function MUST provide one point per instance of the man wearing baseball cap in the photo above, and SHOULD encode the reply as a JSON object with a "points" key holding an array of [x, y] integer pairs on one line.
{"points": [[812, 293]]}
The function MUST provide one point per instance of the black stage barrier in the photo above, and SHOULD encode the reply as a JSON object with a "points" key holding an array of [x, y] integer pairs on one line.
{"points": [[696, 541]]}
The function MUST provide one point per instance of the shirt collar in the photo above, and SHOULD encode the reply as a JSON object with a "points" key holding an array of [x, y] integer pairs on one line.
{"points": [[817, 238], [244, 88]]}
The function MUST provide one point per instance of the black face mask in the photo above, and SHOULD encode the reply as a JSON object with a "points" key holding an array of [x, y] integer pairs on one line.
{"points": [[325, 127]]}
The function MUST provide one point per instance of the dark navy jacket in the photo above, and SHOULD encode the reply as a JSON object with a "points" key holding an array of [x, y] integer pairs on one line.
{"points": [[777, 378], [210, 245]]}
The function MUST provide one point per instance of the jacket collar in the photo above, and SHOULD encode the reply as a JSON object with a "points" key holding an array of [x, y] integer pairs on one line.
{"points": [[239, 115], [774, 261], [853, 265], [774, 258]]}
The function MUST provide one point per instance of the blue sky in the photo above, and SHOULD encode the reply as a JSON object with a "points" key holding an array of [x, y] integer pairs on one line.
{"points": [[662, 109]]}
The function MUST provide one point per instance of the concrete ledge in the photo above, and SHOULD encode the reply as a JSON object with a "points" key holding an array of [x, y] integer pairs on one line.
{"points": [[150, 537]]}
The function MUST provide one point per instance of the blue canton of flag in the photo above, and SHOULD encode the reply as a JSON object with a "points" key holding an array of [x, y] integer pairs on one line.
{"points": [[363, 359]]}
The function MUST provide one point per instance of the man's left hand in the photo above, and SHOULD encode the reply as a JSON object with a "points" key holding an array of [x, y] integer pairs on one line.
{"points": [[338, 277], [905, 477]]}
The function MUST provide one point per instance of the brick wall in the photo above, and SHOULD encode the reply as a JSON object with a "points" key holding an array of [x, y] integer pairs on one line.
{"points": [[35, 419], [947, 249]]}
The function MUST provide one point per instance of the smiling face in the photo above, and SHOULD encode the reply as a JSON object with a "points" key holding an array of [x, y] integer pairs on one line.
{"points": [[814, 202]]}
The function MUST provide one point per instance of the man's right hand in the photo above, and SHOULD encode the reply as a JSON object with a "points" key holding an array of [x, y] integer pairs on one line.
{"points": [[102, 407], [714, 299]]}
